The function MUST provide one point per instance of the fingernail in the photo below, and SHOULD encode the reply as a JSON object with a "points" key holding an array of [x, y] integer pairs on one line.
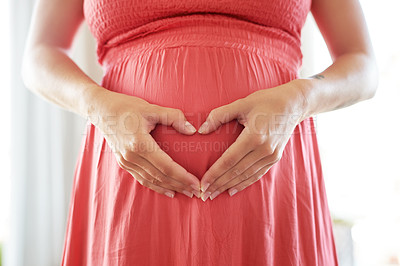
{"points": [[205, 196], [232, 192], [190, 127], [203, 127], [213, 195], [206, 185], [195, 187], [196, 193], [187, 193], [169, 194]]}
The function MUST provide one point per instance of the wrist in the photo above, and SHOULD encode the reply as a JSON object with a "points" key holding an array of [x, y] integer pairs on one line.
{"points": [[303, 88], [93, 99]]}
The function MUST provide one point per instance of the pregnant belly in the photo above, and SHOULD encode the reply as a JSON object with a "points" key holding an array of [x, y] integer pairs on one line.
{"points": [[195, 79]]}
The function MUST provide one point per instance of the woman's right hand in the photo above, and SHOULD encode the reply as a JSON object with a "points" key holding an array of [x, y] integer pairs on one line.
{"points": [[126, 122]]}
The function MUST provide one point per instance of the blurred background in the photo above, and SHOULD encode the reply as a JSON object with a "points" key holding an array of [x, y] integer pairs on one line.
{"points": [[359, 148]]}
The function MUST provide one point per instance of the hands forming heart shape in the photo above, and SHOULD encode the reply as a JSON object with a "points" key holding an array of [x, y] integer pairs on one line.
{"points": [[269, 117]]}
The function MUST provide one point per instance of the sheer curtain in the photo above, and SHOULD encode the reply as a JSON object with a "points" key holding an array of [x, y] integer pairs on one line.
{"points": [[45, 143]]}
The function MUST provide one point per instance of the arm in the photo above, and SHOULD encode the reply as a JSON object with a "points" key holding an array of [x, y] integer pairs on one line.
{"points": [[49, 72], [353, 76]]}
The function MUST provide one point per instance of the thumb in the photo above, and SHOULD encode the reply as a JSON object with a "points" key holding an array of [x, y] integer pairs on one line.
{"points": [[175, 118], [221, 115]]}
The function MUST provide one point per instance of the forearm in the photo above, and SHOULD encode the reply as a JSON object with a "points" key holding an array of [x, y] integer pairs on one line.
{"points": [[352, 78], [51, 74]]}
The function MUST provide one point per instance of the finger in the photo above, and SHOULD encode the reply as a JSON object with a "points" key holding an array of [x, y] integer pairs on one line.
{"points": [[154, 176], [167, 192], [248, 166], [250, 172], [244, 144], [248, 182], [249, 162], [175, 118], [151, 182], [162, 161], [222, 115], [153, 172]]}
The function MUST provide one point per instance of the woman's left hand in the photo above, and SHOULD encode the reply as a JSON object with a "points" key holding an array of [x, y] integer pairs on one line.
{"points": [[269, 117]]}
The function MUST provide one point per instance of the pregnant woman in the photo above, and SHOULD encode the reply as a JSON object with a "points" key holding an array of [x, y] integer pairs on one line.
{"points": [[200, 146]]}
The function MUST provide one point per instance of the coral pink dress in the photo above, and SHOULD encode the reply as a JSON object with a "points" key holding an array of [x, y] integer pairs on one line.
{"points": [[196, 55]]}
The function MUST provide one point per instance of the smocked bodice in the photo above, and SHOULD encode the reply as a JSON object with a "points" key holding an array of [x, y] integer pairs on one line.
{"points": [[113, 22]]}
